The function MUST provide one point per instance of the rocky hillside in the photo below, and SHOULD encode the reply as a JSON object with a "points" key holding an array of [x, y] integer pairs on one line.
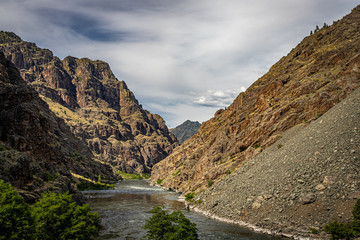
{"points": [[101, 110], [306, 179], [185, 130], [38, 152], [316, 75]]}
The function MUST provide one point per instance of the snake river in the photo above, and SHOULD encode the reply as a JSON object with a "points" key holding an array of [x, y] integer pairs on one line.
{"points": [[125, 209]]}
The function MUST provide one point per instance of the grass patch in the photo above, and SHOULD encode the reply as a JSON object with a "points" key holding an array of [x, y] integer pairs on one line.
{"points": [[176, 173], [128, 176], [86, 185], [210, 183], [159, 181]]}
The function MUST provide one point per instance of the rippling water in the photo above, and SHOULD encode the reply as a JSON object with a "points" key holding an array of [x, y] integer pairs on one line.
{"points": [[125, 209]]}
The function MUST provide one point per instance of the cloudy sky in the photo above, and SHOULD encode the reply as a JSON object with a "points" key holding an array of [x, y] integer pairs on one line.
{"points": [[182, 59]]}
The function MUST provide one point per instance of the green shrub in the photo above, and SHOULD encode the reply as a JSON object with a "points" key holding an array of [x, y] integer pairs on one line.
{"points": [[59, 217], [189, 197], [356, 227], [210, 183], [159, 181], [314, 231], [169, 226], [339, 230], [15, 218], [356, 210], [344, 230]]}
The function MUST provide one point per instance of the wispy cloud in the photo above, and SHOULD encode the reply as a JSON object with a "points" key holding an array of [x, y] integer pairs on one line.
{"points": [[217, 98], [180, 58]]}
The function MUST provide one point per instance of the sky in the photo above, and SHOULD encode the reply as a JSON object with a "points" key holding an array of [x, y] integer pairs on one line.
{"points": [[182, 59]]}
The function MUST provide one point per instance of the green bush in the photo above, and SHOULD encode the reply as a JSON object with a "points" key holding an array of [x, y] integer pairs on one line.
{"points": [[344, 230], [339, 230], [356, 210], [189, 197], [59, 217], [169, 226], [159, 181], [15, 218], [210, 183]]}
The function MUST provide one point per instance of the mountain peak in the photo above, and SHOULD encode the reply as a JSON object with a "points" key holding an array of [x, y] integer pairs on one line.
{"points": [[6, 37], [100, 109], [186, 130]]}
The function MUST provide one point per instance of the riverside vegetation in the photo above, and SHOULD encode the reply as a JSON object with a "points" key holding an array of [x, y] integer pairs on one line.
{"points": [[346, 230], [173, 226], [54, 216]]}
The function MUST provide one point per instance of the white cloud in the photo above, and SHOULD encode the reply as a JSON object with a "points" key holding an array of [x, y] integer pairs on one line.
{"points": [[217, 98], [180, 58]]}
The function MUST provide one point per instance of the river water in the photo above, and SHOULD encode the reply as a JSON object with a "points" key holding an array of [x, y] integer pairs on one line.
{"points": [[125, 209]]}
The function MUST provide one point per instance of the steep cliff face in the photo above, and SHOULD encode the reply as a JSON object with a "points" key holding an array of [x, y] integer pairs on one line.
{"points": [[185, 130], [321, 71], [37, 149], [305, 180], [100, 109]]}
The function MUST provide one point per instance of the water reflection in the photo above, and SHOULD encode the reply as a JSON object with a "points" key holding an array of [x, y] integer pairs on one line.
{"points": [[125, 210]]}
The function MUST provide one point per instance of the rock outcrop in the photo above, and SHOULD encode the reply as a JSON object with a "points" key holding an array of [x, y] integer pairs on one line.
{"points": [[305, 180], [37, 149], [101, 110], [185, 130], [316, 75]]}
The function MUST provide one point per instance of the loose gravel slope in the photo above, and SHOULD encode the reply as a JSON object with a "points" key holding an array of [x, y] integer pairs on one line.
{"points": [[303, 181]]}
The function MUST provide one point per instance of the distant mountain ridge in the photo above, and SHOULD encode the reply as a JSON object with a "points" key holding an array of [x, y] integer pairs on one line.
{"points": [[101, 110], [185, 130]]}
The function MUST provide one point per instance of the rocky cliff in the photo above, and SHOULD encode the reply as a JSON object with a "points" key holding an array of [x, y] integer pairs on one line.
{"points": [[305, 180], [101, 110], [316, 75], [185, 130], [38, 152]]}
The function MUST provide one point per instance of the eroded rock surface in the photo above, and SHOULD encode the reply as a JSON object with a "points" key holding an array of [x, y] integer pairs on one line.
{"points": [[101, 110], [316, 75], [37, 149]]}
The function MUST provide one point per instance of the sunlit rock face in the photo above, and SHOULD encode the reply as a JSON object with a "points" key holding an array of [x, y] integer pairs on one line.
{"points": [[317, 74], [100, 109], [38, 152]]}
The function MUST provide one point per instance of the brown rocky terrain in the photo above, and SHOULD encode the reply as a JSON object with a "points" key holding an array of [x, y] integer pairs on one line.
{"points": [[38, 152], [321, 71], [244, 165], [305, 180], [101, 110]]}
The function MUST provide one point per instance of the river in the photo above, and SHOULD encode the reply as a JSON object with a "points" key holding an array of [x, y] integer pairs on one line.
{"points": [[125, 209]]}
